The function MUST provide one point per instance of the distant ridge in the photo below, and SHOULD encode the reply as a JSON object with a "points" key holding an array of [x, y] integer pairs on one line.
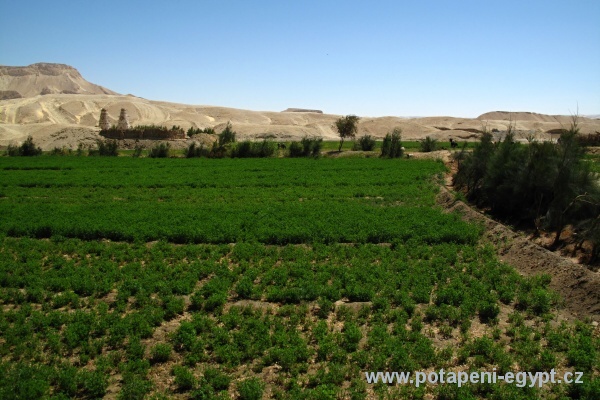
{"points": [[526, 116], [44, 78], [302, 110]]}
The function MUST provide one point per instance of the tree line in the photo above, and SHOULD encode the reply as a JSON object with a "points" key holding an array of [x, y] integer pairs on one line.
{"points": [[545, 185]]}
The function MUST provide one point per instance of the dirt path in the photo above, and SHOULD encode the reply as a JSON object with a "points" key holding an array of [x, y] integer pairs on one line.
{"points": [[578, 286]]}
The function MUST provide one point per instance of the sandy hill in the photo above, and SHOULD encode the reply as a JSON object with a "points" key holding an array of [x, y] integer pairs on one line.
{"points": [[44, 78], [68, 112]]}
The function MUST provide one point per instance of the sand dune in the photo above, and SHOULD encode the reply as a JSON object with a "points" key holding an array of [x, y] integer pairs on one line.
{"points": [[69, 111]]}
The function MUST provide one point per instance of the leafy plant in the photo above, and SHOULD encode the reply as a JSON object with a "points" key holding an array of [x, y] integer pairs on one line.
{"points": [[250, 389], [27, 149], [428, 144], [392, 144], [160, 150], [365, 143]]}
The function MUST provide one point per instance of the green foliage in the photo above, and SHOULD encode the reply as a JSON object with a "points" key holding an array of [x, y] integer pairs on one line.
{"points": [[191, 132], [428, 144], [296, 237], [26, 149], [160, 353], [137, 151], [392, 145], [307, 147], [195, 150], [226, 136], [61, 151], [544, 184], [365, 143], [105, 148], [250, 389], [144, 132], [248, 149], [347, 127], [160, 150], [184, 378]]}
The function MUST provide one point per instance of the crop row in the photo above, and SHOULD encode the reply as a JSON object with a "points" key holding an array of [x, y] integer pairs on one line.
{"points": [[319, 315], [225, 201]]}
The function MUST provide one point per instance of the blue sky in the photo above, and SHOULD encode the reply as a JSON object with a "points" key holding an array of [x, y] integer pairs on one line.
{"points": [[403, 58]]}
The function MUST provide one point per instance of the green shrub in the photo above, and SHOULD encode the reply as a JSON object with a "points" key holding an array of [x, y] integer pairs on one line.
{"points": [[325, 307], [194, 150], [250, 389], [93, 384], [184, 378], [248, 149], [61, 151], [160, 150], [226, 136], [108, 148], [392, 145], [365, 143], [27, 149], [488, 311], [137, 151], [134, 387], [196, 131], [352, 336], [217, 379], [160, 353], [307, 147], [428, 144]]}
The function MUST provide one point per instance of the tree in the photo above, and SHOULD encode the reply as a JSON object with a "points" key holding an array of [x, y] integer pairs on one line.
{"points": [[347, 127], [227, 135], [392, 144]]}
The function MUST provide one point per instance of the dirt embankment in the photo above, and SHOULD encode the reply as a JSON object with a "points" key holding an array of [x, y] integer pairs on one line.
{"points": [[578, 286]]}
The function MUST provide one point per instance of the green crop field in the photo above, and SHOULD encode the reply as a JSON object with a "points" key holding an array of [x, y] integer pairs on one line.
{"points": [[260, 278]]}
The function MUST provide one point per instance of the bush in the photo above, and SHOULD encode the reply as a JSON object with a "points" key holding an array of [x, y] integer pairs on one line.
{"points": [[137, 151], [160, 353], [27, 149], [217, 379], [250, 389], [365, 143], [248, 149], [106, 148], [194, 150], [428, 144], [488, 311], [227, 136], [307, 147], [392, 144], [196, 131], [184, 378], [161, 150], [61, 151]]}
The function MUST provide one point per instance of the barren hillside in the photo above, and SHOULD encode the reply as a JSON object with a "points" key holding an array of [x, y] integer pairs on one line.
{"points": [[58, 107]]}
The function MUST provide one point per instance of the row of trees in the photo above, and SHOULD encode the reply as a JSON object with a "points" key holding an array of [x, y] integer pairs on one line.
{"points": [[549, 185]]}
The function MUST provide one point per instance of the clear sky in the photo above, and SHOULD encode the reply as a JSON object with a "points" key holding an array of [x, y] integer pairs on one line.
{"points": [[370, 58]]}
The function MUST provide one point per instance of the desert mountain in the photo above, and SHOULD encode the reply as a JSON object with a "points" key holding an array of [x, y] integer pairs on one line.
{"points": [[44, 78], [55, 105]]}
